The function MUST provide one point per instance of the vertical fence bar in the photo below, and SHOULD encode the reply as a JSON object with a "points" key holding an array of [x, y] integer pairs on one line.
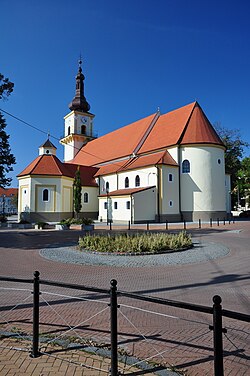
{"points": [[218, 344], [199, 223], [166, 224], [113, 328], [211, 222], [35, 343]]}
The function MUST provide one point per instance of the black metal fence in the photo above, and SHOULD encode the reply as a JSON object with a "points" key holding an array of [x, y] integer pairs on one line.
{"points": [[215, 310]]}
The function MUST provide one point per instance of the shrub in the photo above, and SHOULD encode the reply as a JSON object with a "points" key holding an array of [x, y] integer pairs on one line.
{"points": [[66, 222], [3, 218], [138, 243]]}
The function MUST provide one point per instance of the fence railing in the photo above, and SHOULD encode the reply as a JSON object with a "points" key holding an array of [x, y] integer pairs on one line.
{"points": [[215, 310]]}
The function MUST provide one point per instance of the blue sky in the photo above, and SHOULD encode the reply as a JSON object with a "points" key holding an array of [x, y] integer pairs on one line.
{"points": [[138, 55]]}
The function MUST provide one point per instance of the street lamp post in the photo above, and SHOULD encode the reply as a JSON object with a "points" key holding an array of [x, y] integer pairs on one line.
{"points": [[107, 191], [3, 204]]}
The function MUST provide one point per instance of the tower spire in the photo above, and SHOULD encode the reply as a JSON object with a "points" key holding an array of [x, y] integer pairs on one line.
{"points": [[79, 102]]}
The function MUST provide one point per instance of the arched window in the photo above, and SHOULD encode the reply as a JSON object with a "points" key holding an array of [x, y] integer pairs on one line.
{"points": [[137, 181], [86, 198], [68, 131], [170, 177], [126, 182], [45, 195], [107, 186], [83, 129], [185, 166]]}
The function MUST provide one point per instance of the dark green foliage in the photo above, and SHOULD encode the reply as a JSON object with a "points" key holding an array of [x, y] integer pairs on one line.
{"points": [[77, 192], [6, 158]]}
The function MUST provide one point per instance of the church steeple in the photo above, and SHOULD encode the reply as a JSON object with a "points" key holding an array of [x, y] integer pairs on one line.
{"points": [[79, 102]]}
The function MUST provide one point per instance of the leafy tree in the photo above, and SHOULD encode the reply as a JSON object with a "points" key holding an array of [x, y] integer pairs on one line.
{"points": [[244, 179], [7, 159], [77, 192], [233, 155]]}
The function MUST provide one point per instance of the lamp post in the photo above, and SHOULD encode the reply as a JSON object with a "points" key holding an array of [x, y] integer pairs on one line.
{"points": [[3, 204], [107, 191]]}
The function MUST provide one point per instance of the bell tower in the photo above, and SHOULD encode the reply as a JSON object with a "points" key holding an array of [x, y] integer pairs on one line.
{"points": [[78, 128]]}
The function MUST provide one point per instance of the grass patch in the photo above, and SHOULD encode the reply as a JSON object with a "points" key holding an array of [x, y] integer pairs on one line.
{"points": [[137, 243]]}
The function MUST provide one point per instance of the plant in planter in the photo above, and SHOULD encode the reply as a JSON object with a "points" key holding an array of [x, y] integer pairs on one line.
{"points": [[87, 224], [64, 224]]}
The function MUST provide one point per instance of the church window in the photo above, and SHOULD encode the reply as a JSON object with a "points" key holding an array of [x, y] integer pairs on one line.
{"points": [[47, 151], [68, 131], [115, 205], [107, 186], [128, 205], [185, 166], [45, 195], [126, 182], [86, 198], [170, 203], [219, 161], [137, 181], [170, 177], [105, 205], [83, 129]]}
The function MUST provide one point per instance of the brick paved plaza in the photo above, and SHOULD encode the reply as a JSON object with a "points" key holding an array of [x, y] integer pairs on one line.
{"points": [[170, 337]]}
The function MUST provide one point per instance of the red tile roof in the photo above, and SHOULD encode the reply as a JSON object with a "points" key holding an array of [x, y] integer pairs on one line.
{"points": [[186, 125], [126, 191], [140, 161], [50, 165], [120, 143], [8, 191]]}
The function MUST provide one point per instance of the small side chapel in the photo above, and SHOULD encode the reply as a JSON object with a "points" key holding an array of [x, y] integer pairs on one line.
{"points": [[162, 167]]}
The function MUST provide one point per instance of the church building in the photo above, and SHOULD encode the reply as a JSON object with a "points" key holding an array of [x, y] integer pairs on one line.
{"points": [[162, 167]]}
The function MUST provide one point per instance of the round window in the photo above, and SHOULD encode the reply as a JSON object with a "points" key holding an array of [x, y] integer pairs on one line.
{"points": [[219, 161]]}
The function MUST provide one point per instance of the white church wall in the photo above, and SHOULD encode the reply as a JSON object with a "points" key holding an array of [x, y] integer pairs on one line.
{"points": [[111, 180], [24, 195], [170, 190], [144, 205], [228, 192], [92, 204], [203, 189], [148, 177], [173, 151]]}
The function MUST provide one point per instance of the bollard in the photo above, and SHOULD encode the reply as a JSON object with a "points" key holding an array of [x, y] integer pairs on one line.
{"points": [[184, 224], [35, 342], [113, 328], [211, 222], [218, 343], [166, 224], [147, 225], [224, 221], [199, 223], [218, 222], [128, 225], [110, 225]]}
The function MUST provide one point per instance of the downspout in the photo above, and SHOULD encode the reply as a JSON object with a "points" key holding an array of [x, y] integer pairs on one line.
{"points": [[158, 193], [131, 209]]}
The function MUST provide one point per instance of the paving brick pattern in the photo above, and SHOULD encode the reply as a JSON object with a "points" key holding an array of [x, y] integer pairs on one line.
{"points": [[184, 341]]}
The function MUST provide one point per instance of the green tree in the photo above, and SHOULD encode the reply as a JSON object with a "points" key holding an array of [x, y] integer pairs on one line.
{"points": [[7, 159], [233, 155], [77, 192], [244, 180]]}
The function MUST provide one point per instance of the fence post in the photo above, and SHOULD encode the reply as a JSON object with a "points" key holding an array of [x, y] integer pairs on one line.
{"points": [[218, 344], [35, 352], [199, 223], [113, 328], [166, 224], [129, 225]]}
